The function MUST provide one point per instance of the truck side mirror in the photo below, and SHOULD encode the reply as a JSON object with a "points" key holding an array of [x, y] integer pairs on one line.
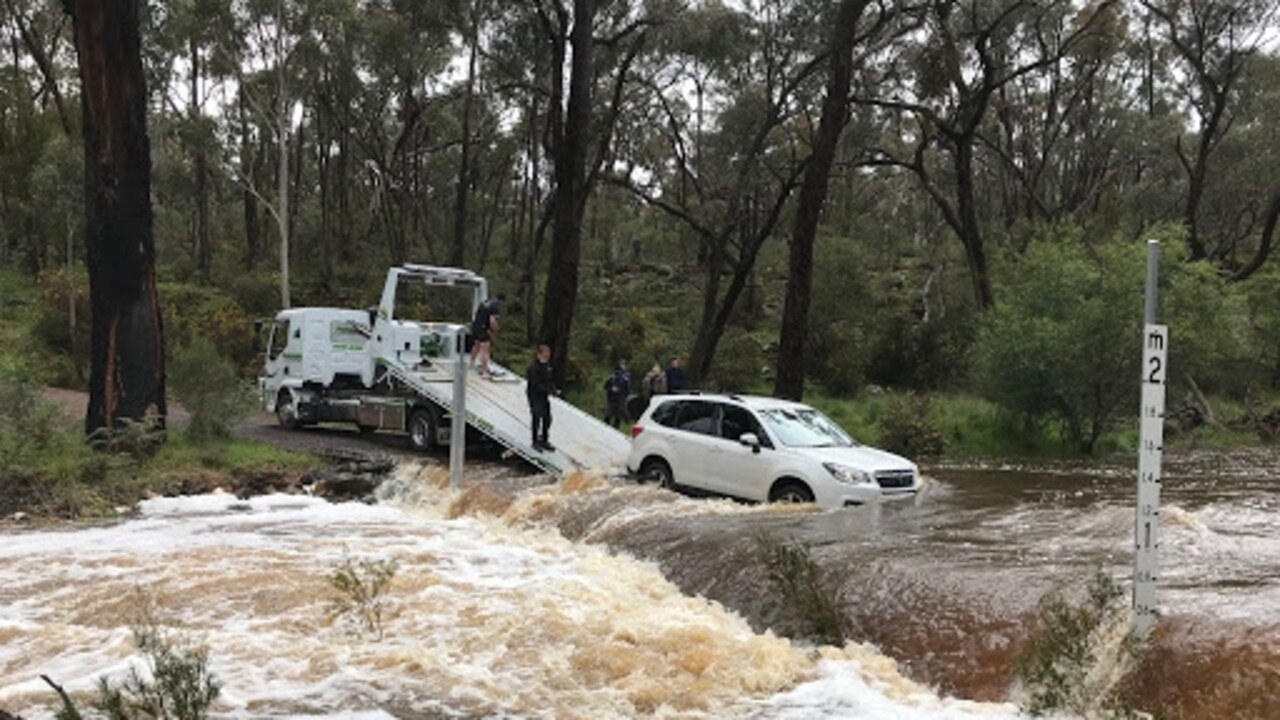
{"points": [[257, 335]]}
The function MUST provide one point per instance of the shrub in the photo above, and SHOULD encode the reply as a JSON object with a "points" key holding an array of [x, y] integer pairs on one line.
{"points": [[359, 587], [63, 291], [1078, 654], [907, 429], [208, 386], [180, 685], [191, 311], [1062, 343], [802, 587]]}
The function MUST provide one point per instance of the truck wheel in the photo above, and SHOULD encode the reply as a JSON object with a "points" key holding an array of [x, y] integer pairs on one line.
{"points": [[422, 430], [287, 411], [791, 491]]}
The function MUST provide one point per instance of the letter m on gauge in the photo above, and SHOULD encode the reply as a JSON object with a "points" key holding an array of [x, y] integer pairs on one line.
{"points": [[1154, 354]]}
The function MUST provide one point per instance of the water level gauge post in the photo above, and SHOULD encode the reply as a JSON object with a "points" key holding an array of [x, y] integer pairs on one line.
{"points": [[1146, 532]]}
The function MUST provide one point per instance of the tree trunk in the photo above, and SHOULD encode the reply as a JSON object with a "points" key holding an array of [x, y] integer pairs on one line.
{"points": [[282, 136], [127, 368], [794, 335], [970, 229], [249, 168], [458, 252], [570, 199], [200, 166]]}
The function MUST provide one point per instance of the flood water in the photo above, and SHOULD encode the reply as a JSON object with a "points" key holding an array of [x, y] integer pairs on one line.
{"points": [[598, 599]]}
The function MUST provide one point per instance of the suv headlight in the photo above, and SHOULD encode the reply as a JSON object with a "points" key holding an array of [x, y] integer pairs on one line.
{"points": [[846, 474]]}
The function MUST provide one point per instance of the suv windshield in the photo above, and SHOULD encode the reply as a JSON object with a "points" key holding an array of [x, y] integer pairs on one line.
{"points": [[805, 427]]}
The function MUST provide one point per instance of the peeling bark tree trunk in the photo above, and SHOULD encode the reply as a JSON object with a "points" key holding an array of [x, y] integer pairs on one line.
{"points": [[813, 195], [127, 370]]}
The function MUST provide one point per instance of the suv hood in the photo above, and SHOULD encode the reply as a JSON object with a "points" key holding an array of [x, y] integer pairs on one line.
{"points": [[862, 458]]}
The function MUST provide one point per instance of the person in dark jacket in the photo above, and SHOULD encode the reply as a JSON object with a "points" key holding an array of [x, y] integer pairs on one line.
{"points": [[675, 375], [540, 389], [616, 389]]}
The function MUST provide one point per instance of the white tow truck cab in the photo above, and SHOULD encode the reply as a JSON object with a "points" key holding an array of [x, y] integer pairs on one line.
{"points": [[331, 364]]}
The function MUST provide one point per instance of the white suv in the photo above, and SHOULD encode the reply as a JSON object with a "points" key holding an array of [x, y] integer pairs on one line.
{"points": [[762, 449]]}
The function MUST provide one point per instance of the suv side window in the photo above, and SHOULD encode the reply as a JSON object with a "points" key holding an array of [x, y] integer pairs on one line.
{"points": [[738, 420], [279, 339], [698, 417], [666, 413]]}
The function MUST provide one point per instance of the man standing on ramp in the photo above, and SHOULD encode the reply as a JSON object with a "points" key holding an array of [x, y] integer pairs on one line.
{"points": [[540, 389]]}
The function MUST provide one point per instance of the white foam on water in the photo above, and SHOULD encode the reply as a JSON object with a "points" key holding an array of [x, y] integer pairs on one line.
{"points": [[481, 619]]}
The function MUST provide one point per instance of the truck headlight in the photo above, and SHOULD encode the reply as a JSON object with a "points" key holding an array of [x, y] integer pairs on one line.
{"points": [[846, 474]]}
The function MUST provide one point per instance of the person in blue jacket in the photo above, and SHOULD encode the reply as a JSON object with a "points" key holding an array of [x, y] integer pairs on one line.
{"points": [[675, 376]]}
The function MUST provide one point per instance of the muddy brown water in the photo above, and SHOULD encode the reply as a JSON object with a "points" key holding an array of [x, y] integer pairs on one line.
{"points": [[949, 584]]}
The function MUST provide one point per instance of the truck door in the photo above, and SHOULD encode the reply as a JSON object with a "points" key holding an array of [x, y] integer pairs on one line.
{"points": [[274, 366], [315, 351]]}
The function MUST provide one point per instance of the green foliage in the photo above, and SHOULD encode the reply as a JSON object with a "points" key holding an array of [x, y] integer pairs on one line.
{"points": [[1062, 344], [191, 311], [208, 386], [907, 429], [359, 588], [868, 325], [1078, 653], [741, 363], [177, 685], [64, 295], [802, 587]]}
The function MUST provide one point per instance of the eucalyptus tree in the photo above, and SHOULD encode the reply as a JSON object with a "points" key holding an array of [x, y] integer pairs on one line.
{"points": [[1058, 137], [725, 156], [573, 116], [188, 55], [38, 27], [269, 34], [793, 336], [127, 375], [1213, 42], [937, 96], [36, 124]]}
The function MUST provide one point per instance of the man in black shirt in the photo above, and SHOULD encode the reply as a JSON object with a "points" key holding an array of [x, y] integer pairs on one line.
{"points": [[540, 389]]}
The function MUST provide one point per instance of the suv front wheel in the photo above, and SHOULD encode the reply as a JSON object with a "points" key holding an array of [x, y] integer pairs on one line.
{"points": [[791, 491], [658, 470]]}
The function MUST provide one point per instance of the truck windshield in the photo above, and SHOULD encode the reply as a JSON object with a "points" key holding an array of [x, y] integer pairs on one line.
{"points": [[805, 427]]}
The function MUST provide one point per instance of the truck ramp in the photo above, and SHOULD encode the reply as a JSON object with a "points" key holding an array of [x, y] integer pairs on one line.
{"points": [[499, 409]]}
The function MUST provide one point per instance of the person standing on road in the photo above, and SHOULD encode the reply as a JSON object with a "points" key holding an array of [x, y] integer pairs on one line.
{"points": [[541, 386], [675, 376], [483, 327], [616, 389]]}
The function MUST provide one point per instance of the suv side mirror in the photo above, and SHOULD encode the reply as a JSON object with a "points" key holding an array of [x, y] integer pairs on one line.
{"points": [[750, 440]]}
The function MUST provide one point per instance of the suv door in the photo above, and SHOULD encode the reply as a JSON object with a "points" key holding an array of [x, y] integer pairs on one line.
{"points": [[736, 469], [692, 442]]}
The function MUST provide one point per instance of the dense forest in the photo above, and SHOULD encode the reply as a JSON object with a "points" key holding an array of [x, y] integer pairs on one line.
{"points": [[942, 197]]}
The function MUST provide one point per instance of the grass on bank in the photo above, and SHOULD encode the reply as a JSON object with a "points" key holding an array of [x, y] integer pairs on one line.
{"points": [[57, 474]]}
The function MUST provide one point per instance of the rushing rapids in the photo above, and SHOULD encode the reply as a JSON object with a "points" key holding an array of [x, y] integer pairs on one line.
{"points": [[606, 599], [486, 616]]}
